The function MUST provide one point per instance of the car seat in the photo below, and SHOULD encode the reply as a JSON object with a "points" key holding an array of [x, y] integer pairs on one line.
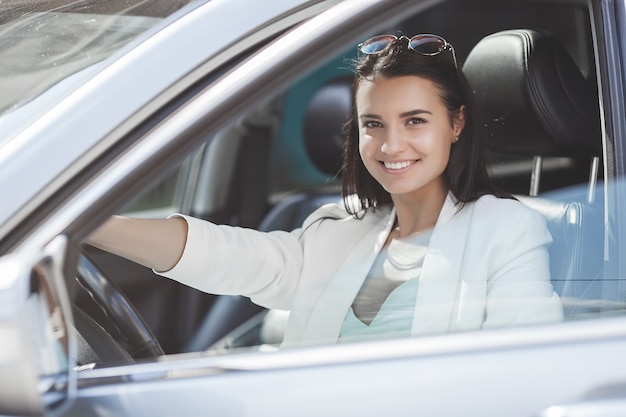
{"points": [[535, 101], [323, 132]]}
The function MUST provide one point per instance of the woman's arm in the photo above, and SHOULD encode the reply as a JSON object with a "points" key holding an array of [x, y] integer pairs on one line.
{"points": [[155, 243]]}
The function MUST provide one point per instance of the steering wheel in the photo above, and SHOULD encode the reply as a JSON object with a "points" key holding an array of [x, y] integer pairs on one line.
{"points": [[137, 337]]}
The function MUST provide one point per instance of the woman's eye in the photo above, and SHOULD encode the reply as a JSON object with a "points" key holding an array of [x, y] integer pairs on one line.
{"points": [[371, 124], [415, 121]]}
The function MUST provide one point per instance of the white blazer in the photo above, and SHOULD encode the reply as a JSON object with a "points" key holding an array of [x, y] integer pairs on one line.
{"points": [[487, 266]]}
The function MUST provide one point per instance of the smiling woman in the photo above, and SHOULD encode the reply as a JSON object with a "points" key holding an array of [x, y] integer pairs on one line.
{"points": [[402, 138], [420, 226]]}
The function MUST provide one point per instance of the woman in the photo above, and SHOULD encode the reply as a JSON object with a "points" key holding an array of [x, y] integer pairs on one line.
{"points": [[422, 245]]}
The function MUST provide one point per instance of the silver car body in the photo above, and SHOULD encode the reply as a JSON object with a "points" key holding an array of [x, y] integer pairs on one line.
{"points": [[86, 167]]}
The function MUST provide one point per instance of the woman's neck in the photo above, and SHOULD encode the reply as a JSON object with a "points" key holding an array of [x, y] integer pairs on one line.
{"points": [[417, 213]]}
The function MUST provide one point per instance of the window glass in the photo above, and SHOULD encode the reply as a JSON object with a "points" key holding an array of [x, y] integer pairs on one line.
{"points": [[159, 199]]}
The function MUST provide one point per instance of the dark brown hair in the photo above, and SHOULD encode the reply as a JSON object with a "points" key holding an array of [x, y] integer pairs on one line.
{"points": [[466, 173]]}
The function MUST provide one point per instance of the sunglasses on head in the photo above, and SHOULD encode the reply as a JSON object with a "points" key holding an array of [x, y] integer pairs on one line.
{"points": [[423, 44]]}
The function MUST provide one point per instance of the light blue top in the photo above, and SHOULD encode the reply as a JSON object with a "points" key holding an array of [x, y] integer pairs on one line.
{"points": [[401, 261], [394, 319]]}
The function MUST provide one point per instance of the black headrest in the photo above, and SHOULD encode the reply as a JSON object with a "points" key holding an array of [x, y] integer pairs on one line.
{"points": [[324, 122], [532, 96]]}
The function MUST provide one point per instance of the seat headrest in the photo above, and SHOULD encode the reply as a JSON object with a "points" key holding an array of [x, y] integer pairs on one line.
{"points": [[324, 121], [533, 98]]}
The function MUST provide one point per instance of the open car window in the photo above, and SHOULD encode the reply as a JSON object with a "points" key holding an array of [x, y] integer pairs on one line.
{"points": [[275, 164]]}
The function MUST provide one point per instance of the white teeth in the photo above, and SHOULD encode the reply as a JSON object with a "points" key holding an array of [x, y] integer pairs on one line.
{"points": [[398, 165]]}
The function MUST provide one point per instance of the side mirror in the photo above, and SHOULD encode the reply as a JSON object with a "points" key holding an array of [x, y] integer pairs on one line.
{"points": [[36, 348]]}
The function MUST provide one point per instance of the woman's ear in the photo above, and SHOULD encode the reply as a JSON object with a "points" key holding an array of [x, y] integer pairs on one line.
{"points": [[458, 123]]}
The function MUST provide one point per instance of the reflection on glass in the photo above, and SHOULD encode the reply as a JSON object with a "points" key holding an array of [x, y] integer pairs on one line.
{"points": [[49, 334]]}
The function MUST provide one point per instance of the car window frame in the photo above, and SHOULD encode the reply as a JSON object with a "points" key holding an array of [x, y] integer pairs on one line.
{"points": [[610, 71]]}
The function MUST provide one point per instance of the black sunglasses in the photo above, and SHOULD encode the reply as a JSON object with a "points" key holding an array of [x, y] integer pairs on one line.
{"points": [[423, 44]]}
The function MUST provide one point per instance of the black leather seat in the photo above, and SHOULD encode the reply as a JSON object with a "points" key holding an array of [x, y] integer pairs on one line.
{"points": [[323, 132], [533, 97], [535, 101]]}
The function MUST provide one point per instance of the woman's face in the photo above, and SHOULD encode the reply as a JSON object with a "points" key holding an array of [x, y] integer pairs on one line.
{"points": [[405, 134]]}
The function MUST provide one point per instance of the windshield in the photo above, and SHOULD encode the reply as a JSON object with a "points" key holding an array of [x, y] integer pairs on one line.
{"points": [[43, 43]]}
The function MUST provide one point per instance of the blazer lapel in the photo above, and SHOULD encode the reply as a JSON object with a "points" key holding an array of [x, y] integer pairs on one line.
{"points": [[327, 317], [440, 280]]}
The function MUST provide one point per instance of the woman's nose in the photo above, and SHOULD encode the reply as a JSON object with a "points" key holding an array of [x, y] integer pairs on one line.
{"points": [[393, 143]]}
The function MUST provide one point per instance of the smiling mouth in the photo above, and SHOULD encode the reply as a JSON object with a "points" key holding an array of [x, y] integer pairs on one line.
{"points": [[398, 165]]}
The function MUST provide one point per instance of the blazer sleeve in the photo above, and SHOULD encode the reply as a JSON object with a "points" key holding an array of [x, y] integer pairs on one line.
{"points": [[265, 266], [519, 290]]}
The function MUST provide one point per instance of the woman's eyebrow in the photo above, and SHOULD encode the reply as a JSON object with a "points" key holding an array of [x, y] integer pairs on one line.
{"points": [[414, 112], [402, 115]]}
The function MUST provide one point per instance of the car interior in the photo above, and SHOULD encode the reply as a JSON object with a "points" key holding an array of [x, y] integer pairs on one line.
{"points": [[534, 78]]}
